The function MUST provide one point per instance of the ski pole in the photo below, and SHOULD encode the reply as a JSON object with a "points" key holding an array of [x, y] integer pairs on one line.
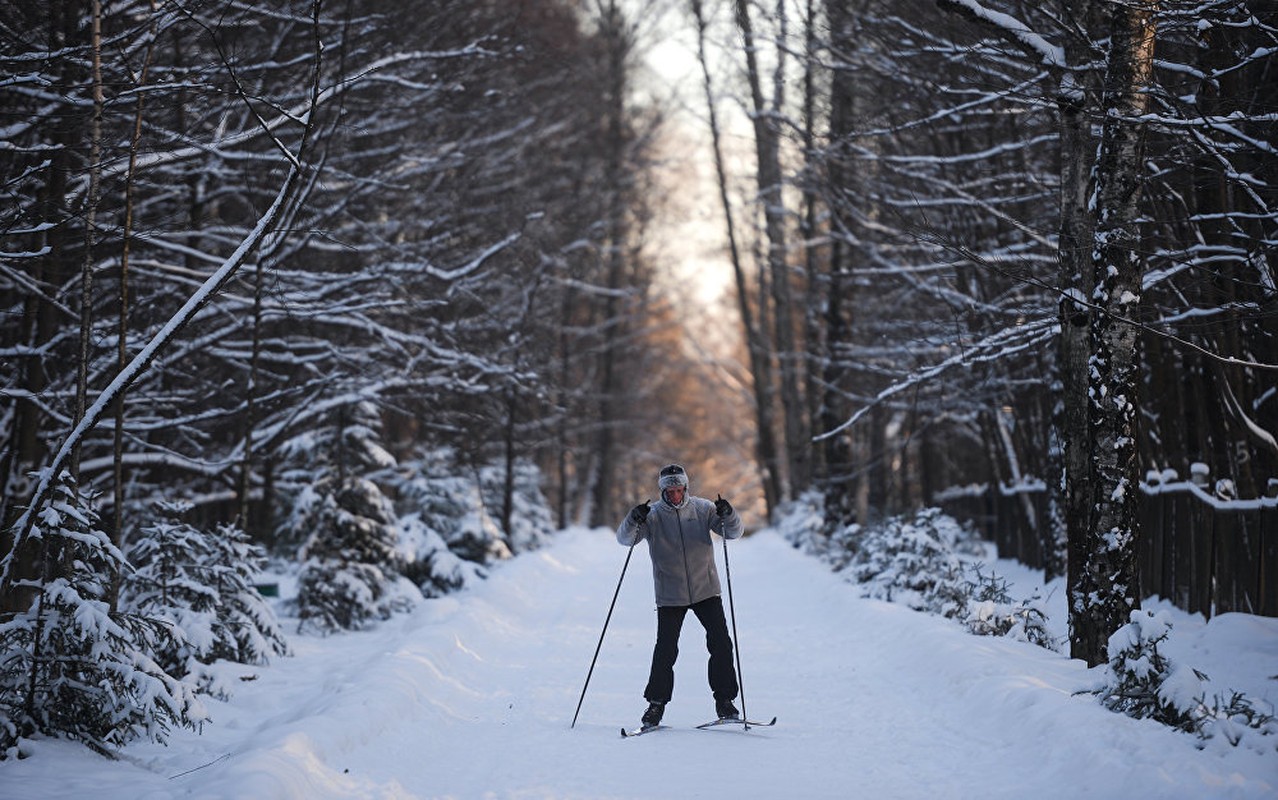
{"points": [[580, 700], [736, 641]]}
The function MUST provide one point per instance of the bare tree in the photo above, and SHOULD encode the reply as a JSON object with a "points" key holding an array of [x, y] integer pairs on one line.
{"points": [[756, 348]]}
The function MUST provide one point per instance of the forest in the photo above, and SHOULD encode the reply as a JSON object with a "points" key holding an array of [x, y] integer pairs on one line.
{"points": [[378, 289]]}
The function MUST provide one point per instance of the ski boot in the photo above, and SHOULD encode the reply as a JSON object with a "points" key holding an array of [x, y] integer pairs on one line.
{"points": [[652, 717], [726, 710]]}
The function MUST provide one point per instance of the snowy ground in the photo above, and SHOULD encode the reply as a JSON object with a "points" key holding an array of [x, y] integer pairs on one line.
{"points": [[471, 697]]}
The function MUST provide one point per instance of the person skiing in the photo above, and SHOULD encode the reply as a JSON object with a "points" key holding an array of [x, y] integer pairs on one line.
{"points": [[684, 577]]}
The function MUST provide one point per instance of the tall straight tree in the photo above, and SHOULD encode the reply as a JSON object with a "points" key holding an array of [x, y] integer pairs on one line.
{"points": [[1077, 91], [617, 38], [1105, 591], [765, 118], [839, 467], [756, 348]]}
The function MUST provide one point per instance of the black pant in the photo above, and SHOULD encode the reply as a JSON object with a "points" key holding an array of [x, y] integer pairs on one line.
{"points": [[722, 675]]}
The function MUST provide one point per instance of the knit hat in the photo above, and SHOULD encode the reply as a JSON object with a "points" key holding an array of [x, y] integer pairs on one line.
{"points": [[672, 475]]}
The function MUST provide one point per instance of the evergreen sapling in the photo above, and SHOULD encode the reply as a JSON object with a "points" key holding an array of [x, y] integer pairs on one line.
{"points": [[202, 584], [351, 570], [1142, 682], [70, 665]]}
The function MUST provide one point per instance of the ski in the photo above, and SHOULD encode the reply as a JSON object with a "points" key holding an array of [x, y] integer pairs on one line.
{"points": [[625, 734], [748, 723]]}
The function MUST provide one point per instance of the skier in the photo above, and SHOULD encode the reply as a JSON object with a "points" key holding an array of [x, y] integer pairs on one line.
{"points": [[684, 576]]}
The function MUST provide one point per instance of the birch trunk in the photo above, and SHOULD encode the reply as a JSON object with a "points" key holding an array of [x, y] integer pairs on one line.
{"points": [[1107, 588]]}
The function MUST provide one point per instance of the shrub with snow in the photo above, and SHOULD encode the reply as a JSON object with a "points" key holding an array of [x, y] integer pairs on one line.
{"points": [[429, 564], [1142, 682], [530, 518], [801, 522], [991, 611], [913, 562], [315, 463], [72, 667], [454, 506], [923, 562], [449, 529], [202, 584]]}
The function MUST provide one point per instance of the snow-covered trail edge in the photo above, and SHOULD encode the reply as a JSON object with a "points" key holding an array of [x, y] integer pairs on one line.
{"points": [[472, 696]]}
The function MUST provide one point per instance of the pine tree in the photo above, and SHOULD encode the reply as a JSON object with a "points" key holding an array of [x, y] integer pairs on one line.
{"points": [[453, 505], [351, 571], [202, 583], [318, 462], [250, 631], [72, 667]]}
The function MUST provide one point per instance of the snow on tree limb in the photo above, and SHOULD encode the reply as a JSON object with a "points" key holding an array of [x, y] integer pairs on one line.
{"points": [[1010, 28], [142, 361], [994, 347], [139, 365]]}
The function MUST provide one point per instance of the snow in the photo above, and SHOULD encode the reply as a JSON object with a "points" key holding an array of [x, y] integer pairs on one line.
{"points": [[1051, 55], [471, 695]]}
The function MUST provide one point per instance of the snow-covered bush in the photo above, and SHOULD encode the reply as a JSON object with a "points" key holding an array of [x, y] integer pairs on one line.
{"points": [[70, 666], [914, 562], [452, 504], [1238, 720], [454, 507], [450, 530], [202, 584], [428, 562], [351, 565], [991, 611], [926, 562], [316, 462], [1142, 682], [802, 523]]}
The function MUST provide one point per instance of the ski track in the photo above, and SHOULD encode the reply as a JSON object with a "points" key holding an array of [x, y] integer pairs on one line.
{"points": [[472, 696]]}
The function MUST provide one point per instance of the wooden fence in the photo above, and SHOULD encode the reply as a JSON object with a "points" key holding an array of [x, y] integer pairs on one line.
{"points": [[1203, 554]]}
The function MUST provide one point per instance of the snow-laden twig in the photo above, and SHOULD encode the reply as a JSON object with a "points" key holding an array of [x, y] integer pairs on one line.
{"points": [[992, 348], [1009, 28], [1078, 299]]}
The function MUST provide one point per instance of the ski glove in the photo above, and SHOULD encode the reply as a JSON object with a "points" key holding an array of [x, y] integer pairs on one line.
{"points": [[639, 514], [722, 506]]}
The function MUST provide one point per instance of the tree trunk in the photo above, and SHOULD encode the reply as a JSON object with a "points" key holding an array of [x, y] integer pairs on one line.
{"points": [[122, 292], [611, 25], [245, 484], [767, 151], [508, 477], [760, 364], [813, 319], [839, 480], [90, 221], [1076, 99], [1107, 590]]}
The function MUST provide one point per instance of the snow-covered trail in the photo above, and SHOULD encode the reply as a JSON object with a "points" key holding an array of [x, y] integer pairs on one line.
{"points": [[472, 696]]}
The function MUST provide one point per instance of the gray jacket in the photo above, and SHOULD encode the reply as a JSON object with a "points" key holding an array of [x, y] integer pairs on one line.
{"points": [[683, 570]]}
